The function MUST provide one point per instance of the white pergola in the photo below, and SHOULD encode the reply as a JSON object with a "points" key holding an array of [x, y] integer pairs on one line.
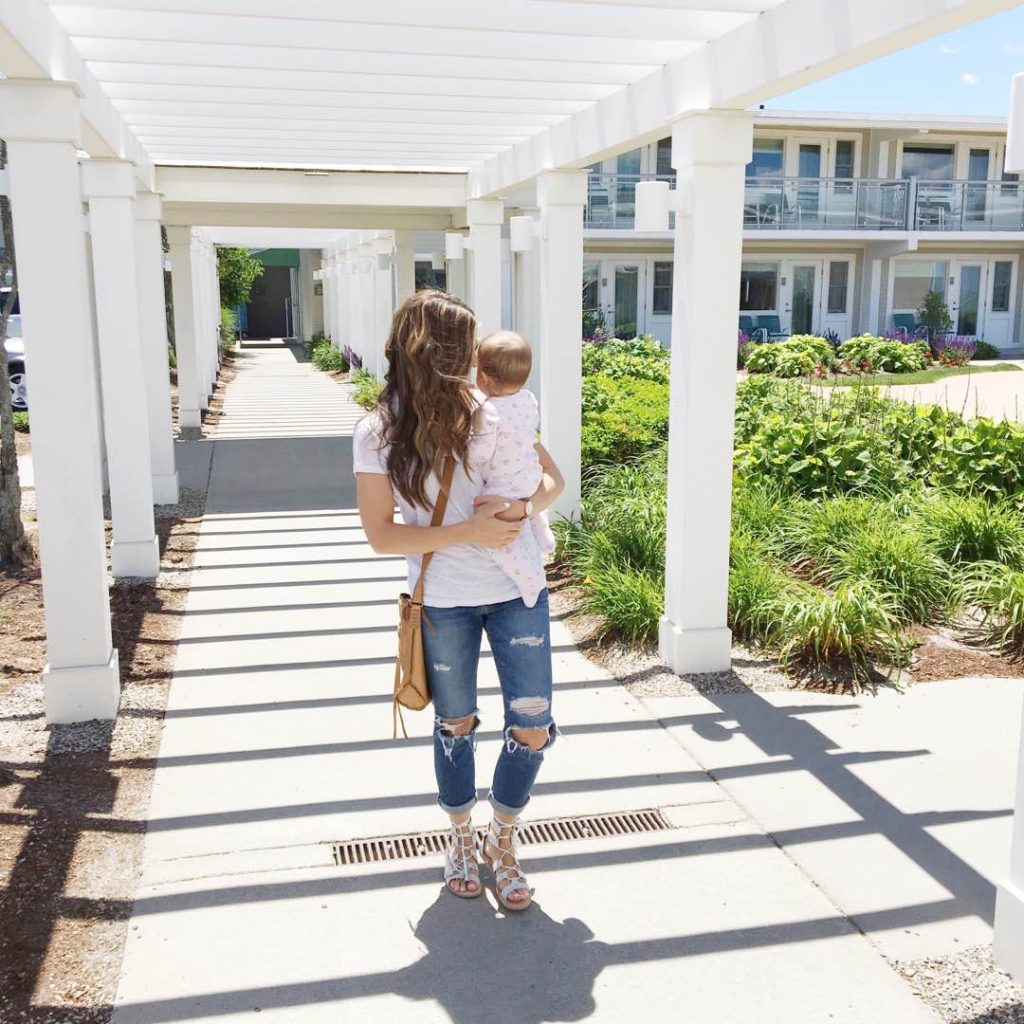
{"points": [[365, 123]]}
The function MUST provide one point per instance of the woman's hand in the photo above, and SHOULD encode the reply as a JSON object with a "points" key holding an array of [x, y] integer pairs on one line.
{"points": [[514, 511], [487, 528]]}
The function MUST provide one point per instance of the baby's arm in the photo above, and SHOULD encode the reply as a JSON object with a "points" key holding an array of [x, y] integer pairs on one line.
{"points": [[514, 469]]}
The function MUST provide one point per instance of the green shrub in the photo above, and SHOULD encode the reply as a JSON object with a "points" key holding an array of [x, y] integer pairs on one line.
{"points": [[970, 529], [816, 533], [886, 355], [900, 564], [640, 357], [622, 417], [758, 590], [172, 358], [797, 356], [934, 314], [846, 631], [994, 595], [326, 357], [20, 420], [367, 388], [985, 350], [759, 508]]}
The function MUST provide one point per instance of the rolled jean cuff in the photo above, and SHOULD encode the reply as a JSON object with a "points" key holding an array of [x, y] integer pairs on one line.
{"points": [[500, 808], [463, 809]]}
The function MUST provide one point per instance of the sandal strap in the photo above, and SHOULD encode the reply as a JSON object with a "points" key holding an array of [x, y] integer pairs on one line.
{"points": [[459, 855], [507, 882]]}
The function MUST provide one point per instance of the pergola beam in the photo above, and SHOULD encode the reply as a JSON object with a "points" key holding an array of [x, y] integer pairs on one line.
{"points": [[790, 46], [302, 217], [34, 46]]}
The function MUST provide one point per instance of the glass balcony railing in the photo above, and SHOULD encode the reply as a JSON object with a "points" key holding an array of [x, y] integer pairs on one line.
{"points": [[837, 204], [611, 199]]}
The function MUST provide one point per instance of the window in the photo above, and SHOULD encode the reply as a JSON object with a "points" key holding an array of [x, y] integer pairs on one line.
{"points": [[845, 152], [664, 160], [912, 279], [931, 163], [661, 303], [427, 277], [838, 286], [591, 293], [767, 161], [759, 286], [844, 158], [1010, 183], [1001, 276]]}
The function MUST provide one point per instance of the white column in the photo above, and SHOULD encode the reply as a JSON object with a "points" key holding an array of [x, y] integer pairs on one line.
{"points": [[405, 265], [485, 218], [190, 384], [200, 315], [710, 152], [109, 186], [368, 347], [455, 278], [40, 121], [561, 196], [327, 291], [348, 290], [214, 294], [1008, 944], [342, 322], [383, 297], [149, 276]]}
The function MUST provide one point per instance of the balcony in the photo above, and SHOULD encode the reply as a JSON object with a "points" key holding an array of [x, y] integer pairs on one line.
{"points": [[837, 204]]}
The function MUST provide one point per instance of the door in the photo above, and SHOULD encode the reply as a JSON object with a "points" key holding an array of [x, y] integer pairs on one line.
{"points": [[975, 202], [968, 297], [623, 288], [801, 296], [999, 312], [808, 160]]}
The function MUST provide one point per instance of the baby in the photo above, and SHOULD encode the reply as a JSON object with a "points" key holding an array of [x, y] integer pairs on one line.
{"points": [[503, 366]]}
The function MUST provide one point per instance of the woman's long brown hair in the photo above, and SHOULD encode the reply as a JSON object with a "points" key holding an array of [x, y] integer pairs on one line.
{"points": [[427, 406]]}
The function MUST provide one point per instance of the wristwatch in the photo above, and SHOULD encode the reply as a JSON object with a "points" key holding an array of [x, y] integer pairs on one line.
{"points": [[527, 507]]}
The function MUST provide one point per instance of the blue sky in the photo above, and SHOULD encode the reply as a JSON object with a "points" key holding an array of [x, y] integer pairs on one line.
{"points": [[963, 72]]}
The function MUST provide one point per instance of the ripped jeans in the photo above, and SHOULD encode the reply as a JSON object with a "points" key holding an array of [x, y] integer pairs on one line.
{"points": [[520, 641]]}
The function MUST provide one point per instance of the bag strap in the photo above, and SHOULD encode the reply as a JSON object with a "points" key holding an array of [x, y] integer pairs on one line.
{"points": [[436, 520]]}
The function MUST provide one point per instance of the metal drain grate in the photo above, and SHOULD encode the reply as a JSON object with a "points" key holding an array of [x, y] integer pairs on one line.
{"points": [[550, 830]]}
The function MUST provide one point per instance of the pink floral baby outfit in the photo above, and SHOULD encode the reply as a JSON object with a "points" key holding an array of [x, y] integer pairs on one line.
{"points": [[515, 472]]}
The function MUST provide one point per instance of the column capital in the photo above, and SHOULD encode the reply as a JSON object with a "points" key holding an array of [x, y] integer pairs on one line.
{"points": [[713, 137], [485, 211], [40, 111], [562, 188], [149, 206], [108, 179]]}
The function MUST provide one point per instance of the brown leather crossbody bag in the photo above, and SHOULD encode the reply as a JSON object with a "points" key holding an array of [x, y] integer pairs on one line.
{"points": [[412, 689]]}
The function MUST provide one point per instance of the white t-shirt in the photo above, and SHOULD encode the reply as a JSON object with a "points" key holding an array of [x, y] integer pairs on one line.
{"points": [[464, 574]]}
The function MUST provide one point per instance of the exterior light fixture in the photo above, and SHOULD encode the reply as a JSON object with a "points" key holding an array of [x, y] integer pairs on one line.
{"points": [[652, 206], [455, 244], [521, 233], [437, 261], [383, 248]]}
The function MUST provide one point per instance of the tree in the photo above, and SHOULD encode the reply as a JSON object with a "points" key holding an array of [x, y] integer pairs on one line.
{"points": [[934, 315], [237, 270], [15, 549]]}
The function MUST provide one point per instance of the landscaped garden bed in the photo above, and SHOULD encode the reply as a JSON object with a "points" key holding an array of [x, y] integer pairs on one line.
{"points": [[862, 527]]}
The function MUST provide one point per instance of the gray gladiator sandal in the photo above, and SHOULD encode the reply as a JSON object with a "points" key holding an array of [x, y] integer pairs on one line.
{"points": [[508, 874], [460, 860]]}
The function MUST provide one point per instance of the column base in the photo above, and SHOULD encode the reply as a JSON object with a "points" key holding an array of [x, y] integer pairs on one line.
{"points": [[1008, 944], [165, 489], [137, 558], [689, 651], [190, 418], [82, 693]]}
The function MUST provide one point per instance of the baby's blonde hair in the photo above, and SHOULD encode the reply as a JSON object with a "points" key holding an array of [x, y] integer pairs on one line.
{"points": [[506, 358]]}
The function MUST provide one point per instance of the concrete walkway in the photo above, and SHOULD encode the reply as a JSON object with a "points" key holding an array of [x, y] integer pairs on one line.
{"points": [[999, 396], [277, 741]]}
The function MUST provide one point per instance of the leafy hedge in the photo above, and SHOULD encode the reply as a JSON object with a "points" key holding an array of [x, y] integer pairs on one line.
{"points": [[641, 357], [622, 417], [367, 388], [885, 355]]}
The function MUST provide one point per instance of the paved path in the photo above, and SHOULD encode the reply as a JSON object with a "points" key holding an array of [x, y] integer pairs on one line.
{"points": [[277, 742], [1000, 396]]}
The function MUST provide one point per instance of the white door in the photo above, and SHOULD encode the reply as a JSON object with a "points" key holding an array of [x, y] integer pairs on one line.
{"points": [[623, 291], [807, 159], [968, 297], [801, 296], [999, 311]]}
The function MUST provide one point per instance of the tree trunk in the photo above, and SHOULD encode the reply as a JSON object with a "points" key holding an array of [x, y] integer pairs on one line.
{"points": [[15, 549]]}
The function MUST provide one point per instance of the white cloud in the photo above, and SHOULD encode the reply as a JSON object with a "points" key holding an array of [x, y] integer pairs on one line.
{"points": [[946, 51], [969, 78]]}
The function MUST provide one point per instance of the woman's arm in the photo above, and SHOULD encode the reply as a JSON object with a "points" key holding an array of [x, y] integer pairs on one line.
{"points": [[376, 502], [551, 486]]}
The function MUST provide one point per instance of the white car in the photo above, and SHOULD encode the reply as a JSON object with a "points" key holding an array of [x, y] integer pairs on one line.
{"points": [[15, 350]]}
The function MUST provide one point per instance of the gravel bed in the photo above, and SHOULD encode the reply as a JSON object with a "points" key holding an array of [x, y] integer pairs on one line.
{"points": [[966, 987]]}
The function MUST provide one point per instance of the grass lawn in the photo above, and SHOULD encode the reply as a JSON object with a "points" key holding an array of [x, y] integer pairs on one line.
{"points": [[920, 377]]}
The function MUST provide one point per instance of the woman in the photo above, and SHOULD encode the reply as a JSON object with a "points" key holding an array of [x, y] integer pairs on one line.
{"points": [[428, 411]]}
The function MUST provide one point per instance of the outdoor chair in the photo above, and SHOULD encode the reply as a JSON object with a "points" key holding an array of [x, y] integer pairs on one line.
{"points": [[753, 332], [904, 324], [772, 327]]}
